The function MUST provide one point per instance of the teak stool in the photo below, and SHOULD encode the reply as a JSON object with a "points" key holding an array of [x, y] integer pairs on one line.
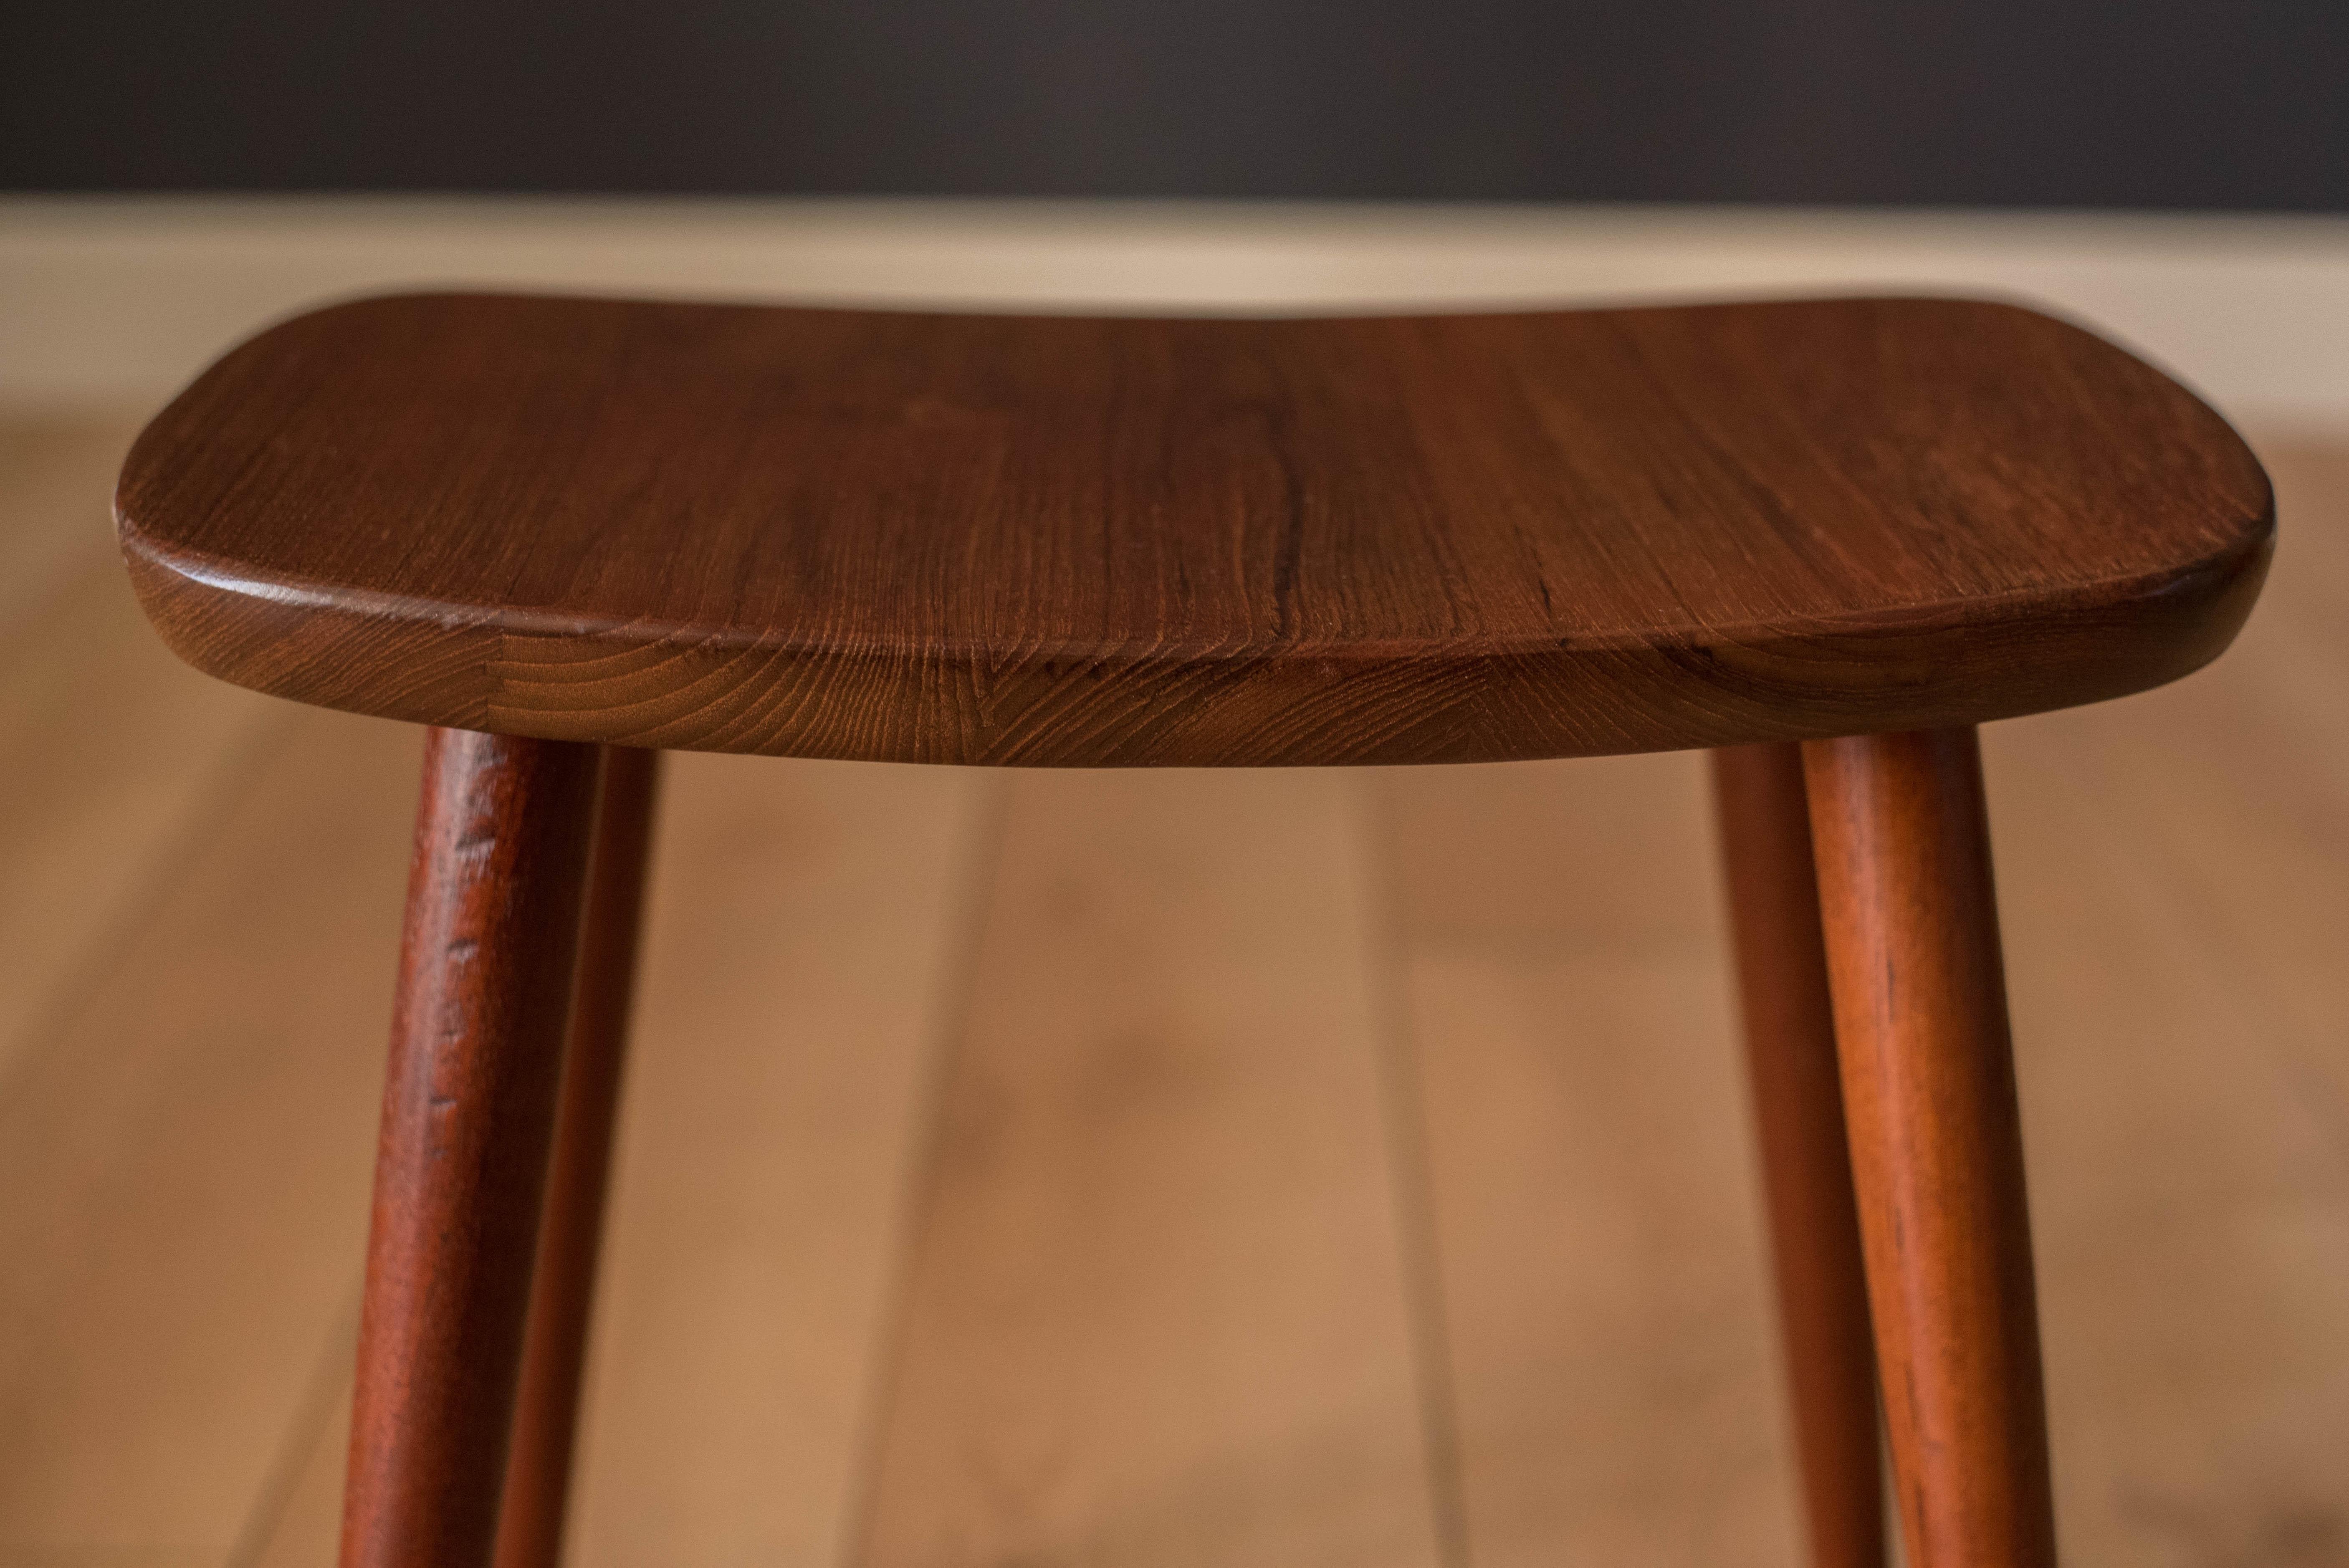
{"points": [[567, 533]]}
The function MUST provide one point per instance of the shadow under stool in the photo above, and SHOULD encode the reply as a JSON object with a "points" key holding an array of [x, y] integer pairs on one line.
{"points": [[1826, 538]]}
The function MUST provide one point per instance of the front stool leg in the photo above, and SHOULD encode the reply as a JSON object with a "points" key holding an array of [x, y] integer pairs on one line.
{"points": [[1774, 905], [1903, 847], [546, 1408], [487, 961]]}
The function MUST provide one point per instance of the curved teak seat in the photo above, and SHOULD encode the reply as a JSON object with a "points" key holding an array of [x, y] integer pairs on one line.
{"points": [[1064, 541], [1863, 524]]}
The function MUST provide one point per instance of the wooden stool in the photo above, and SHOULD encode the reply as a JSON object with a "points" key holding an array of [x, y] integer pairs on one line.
{"points": [[569, 533]]}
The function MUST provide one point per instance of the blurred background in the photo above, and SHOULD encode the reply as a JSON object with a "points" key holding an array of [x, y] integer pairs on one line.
{"points": [[2063, 103], [1316, 1166]]}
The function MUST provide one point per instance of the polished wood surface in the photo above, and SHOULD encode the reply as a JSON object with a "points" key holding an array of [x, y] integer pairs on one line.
{"points": [[1060, 540], [1182, 1333], [487, 965], [1790, 1048], [554, 1349], [1903, 853]]}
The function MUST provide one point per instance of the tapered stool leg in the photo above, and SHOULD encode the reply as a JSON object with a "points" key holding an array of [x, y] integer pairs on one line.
{"points": [[546, 1409], [1937, 1148], [486, 970], [1765, 836]]}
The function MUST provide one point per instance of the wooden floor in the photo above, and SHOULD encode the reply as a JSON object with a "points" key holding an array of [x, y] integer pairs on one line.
{"points": [[1123, 1169]]}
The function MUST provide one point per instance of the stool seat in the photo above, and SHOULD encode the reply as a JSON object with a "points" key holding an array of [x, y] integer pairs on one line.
{"points": [[970, 538]]}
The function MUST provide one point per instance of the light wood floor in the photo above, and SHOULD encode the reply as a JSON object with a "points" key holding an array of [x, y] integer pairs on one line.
{"points": [[1123, 1169]]}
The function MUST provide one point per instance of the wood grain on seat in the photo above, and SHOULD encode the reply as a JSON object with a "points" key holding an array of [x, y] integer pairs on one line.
{"points": [[1080, 541]]}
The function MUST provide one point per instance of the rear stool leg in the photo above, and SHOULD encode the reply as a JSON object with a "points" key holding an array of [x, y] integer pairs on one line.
{"points": [[1904, 872], [546, 1409], [1790, 1046], [487, 960]]}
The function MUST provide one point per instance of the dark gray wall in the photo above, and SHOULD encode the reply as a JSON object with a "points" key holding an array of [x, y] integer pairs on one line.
{"points": [[2008, 102]]}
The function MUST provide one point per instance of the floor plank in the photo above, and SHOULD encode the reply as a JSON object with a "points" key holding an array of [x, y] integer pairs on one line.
{"points": [[116, 756], [1620, 1401], [184, 1161], [1155, 1314], [297, 1515], [1551, 857], [1613, 1353], [2189, 1197], [804, 949], [57, 474]]}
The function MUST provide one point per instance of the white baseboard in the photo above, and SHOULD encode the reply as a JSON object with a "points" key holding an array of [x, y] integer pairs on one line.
{"points": [[118, 300]]}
